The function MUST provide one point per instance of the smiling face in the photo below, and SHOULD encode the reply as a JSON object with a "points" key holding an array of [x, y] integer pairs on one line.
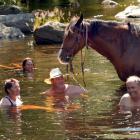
{"points": [[133, 89], [28, 65], [12, 88], [15, 89], [58, 82]]}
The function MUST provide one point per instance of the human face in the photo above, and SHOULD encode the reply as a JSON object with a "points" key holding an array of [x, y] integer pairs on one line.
{"points": [[133, 89], [29, 66], [58, 82], [14, 90]]}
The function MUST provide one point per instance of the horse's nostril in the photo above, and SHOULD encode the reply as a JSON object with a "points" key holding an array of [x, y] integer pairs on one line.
{"points": [[68, 58]]}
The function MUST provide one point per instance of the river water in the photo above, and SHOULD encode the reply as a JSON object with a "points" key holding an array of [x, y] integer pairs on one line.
{"points": [[92, 117]]}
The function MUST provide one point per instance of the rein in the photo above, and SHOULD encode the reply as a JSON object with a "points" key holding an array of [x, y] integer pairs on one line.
{"points": [[82, 57]]}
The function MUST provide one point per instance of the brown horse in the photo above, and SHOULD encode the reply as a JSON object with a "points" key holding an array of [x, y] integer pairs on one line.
{"points": [[118, 42]]}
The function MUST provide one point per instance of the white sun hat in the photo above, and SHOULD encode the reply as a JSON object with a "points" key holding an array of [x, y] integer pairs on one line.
{"points": [[54, 73]]}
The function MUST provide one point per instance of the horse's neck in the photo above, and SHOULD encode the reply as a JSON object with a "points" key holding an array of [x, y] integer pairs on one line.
{"points": [[103, 48], [105, 41], [109, 43]]}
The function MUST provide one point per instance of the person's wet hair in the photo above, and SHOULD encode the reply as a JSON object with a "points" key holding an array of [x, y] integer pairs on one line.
{"points": [[8, 84], [24, 63], [133, 78]]}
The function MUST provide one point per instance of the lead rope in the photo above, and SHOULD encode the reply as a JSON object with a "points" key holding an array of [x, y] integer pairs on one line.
{"points": [[73, 75], [67, 71], [83, 76], [70, 68], [82, 68], [82, 63], [83, 58]]}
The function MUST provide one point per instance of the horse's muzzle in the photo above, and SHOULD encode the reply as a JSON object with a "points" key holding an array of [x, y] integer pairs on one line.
{"points": [[63, 57]]}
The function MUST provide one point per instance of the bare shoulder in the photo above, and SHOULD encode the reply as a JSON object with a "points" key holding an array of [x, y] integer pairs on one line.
{"points": [[125, 100], [4, 101], [74, 90], [76, 87], [125, 96], [125, 103]]}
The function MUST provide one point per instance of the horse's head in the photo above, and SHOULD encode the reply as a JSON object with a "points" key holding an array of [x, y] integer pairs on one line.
{"points": [[74, 40]]}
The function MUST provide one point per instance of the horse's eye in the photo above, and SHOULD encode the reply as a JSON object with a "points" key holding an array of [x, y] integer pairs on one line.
{"points": [[77, 39]]}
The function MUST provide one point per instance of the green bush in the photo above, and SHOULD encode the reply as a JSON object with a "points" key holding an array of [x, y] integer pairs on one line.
{"points": [[42, 16], [9, 2]]}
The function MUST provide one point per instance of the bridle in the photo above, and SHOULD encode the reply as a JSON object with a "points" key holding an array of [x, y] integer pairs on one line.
{"points": [[78, 32], [84, 32]]}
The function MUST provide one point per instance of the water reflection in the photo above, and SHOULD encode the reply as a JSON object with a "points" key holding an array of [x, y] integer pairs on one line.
{"points": [[75, 124], [94, 118], [11, 122], [86, 122], [128, 126]]}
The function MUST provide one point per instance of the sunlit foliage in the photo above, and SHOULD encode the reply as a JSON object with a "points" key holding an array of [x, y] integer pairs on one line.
{"points": [[9, 2], [41, 16]]}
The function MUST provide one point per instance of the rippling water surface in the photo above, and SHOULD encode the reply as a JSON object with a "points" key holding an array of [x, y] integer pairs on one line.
{"points": [[90, 118]]}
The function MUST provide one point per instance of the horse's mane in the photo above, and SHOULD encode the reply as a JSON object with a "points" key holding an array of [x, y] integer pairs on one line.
{"points": [[134, 28], [71, 22], [96, 24]]}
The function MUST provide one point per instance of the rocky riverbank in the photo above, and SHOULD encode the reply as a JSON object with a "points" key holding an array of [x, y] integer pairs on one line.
{"points": [[14, 23]]}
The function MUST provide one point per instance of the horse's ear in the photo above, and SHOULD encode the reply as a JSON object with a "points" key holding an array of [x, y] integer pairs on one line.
{"points": [[129, 25], [79, 21]]}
